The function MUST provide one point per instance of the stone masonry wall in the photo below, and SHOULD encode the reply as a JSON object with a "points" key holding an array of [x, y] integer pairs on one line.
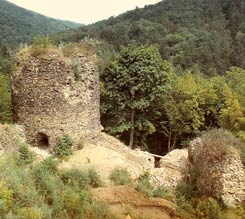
{"points": [[221, 177], [51, 98]]}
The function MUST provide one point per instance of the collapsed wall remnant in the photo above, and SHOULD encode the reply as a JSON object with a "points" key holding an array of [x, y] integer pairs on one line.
{"points": [[218, 176], [54, 95], [173, 169]]}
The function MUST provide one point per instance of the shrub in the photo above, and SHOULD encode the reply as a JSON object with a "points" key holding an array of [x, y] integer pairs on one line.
{"points": [[186, 190], [85, 196], [41, 41], [75, 178], [97, 211], [85, 47], [161, 192], [50, 165], [235, 213], [208, 208], [63, 147], [185, 207], [120, 177], [94, 177], [41, 191], [242, 153], [144, 184], [6, 197], [219, 143], [30, 213], [73, 202], [43, 170], [5, 99], [24, 155], [76, 68], [80, 145], [40, 45]]}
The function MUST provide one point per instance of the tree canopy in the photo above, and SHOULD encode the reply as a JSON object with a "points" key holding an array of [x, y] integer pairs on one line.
{"points": [[132, 84]]}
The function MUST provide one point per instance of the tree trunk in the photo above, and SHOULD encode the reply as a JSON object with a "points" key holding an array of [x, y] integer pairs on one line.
{"points": [[169, 141], [174, 142], [131, 139]]}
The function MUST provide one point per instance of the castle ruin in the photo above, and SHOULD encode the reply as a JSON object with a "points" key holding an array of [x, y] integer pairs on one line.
{"points": [[54, 94]]}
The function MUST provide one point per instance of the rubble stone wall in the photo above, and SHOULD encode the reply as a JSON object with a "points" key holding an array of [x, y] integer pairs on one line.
{"points": [[51, 98], [220, 177]]}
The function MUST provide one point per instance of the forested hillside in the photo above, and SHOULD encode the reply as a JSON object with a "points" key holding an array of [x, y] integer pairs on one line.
{"points": [[172, 76], [181, 70], [206, 35], [18, 25]]}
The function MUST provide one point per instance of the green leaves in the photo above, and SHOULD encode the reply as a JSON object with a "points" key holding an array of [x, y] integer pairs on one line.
{"points": [[5, 99], [133, 81], [63, 147]]}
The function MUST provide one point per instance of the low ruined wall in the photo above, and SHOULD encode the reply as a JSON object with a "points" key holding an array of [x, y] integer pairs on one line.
{"points": [[54, 95], [218, 176]]}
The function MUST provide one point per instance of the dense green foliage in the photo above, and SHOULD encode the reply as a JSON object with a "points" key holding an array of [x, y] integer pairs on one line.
{"points": [[63, 147], [25, 156], [205, 35], [140, 91], [145, 100], [132, 84], [41, 191], [120, 177], [202, 40], [5, 105], [166, 76], [19, 25]]}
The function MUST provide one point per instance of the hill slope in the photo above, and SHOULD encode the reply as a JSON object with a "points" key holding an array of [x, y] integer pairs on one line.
{"points": [[205, 34], [20, 25]]}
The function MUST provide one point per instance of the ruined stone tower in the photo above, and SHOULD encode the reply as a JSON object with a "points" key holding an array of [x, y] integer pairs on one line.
{"points": [[53, 94]]}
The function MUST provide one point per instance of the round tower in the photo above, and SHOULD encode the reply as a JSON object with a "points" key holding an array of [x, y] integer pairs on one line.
{"points": [[54, 94]]}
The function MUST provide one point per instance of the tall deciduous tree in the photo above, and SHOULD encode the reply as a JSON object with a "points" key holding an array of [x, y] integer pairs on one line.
{"points": [[131, 86], [181, 113]]}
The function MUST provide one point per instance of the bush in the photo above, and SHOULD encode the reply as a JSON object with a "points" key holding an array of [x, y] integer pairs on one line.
{"points": [[208, 208], [185, 208], [40, 45], [80, 145], [63, 147], [161, 192], [237, 213], [94, 177], [41, 191], [120, 177], [76, 68], [75, 178], [242, 153], [85, 47], [186, 190], [219, 143], [6, 197], [50, 165], [41, 41], [144, 184], [5, 99], [24, 155], [97, 211]]}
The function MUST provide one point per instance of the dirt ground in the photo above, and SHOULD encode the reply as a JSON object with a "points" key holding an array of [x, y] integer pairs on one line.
{"points": [[124, 201], [105, 153]]}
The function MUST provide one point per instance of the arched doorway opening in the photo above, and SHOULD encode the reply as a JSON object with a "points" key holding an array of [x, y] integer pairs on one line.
{"points": [[42, 140]]}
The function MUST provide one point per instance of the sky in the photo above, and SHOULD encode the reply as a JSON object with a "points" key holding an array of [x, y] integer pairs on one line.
{"points": [[82, 11]]}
